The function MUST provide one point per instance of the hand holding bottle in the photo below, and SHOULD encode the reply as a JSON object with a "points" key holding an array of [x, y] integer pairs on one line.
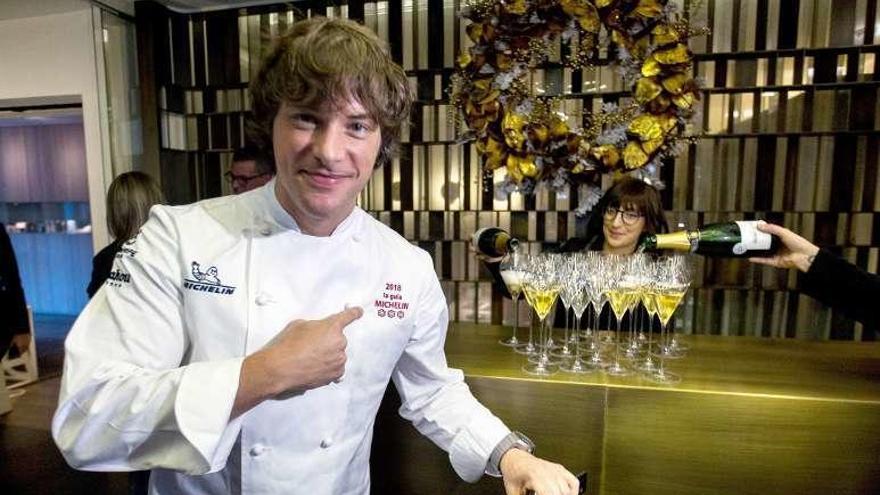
{"points": [[492, 244], [795, 252]]}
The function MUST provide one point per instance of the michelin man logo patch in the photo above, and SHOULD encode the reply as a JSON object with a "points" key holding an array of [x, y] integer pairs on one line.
{"points": [[206, 280]]}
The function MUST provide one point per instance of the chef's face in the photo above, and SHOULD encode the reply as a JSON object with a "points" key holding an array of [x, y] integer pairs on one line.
{"points": [[324, 156]]}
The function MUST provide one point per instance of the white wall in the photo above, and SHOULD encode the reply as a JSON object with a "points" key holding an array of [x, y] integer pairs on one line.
{"points": [[54, 55]]}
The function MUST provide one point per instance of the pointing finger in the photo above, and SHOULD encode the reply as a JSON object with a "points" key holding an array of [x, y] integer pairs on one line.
{"points": [[346, 316]]}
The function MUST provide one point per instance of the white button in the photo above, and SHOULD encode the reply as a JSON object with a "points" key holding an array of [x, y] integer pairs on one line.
{"points": [[263, 299], [265, 231], [257, 450], [356, 238], [326, 443]]}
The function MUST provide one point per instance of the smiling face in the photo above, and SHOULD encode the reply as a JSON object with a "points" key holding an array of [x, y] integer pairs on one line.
{"points": [[622, 227], [324, 158]]}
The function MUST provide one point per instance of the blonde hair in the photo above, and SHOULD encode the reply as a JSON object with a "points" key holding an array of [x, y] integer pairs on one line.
{"points": [[128, 203], [323, 61]]}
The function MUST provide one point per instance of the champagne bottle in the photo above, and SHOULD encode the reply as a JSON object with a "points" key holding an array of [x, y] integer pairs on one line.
{"points": [[493, 242], [726, 240]]}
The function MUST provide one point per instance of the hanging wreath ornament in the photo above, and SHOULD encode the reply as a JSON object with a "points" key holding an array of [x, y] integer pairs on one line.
{"points": [[528, 134]]}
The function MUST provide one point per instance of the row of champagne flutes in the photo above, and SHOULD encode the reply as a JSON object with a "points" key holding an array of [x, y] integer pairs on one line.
{"points": [[579, 280]]}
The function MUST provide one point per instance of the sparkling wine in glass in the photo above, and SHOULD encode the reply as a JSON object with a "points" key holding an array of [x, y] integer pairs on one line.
{"points": [[512, 272]]}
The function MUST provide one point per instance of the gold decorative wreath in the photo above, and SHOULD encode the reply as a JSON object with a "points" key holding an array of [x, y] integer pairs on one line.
{"points": [[527, 133]]}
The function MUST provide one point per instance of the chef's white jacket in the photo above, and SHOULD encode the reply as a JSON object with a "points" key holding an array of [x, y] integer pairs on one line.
{"points": [[152, 364]]}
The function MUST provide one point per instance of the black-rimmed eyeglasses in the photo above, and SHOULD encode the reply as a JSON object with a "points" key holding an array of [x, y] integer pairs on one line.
{"points": [[629, 217], [244, 179]]}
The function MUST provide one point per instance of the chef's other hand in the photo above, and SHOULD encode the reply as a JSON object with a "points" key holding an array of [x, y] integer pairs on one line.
{"points": [[795, 252], [522, 471]]}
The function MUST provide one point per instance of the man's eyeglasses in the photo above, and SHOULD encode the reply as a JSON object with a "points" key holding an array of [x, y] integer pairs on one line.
{"points": [[244, 179], [629, 217]]}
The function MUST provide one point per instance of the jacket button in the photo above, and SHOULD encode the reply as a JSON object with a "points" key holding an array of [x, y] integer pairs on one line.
{"points": [[262, 299], [356, 238], [326, 443], [257, 450]]}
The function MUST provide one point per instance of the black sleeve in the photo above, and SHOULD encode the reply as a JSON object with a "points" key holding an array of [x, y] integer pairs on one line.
{"points": [[12, 303], [843, 286], [102, 264]]}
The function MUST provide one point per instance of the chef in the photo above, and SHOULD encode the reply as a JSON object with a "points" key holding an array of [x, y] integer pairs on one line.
{"points": [[266, 376]]}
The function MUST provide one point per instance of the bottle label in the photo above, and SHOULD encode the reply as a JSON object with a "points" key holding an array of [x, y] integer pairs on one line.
{"points": [[751, 239]]}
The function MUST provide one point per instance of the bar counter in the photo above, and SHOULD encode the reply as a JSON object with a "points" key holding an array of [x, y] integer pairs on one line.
{"points": [[750, 416]]}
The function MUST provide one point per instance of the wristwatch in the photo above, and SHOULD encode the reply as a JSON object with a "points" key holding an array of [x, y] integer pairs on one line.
{"points": [[514, 440]]}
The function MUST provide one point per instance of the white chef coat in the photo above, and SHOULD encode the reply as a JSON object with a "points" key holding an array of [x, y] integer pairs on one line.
{"points": [[152, 364]]}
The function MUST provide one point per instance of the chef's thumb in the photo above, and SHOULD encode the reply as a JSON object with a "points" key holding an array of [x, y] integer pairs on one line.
{"points": [[346, 316]]}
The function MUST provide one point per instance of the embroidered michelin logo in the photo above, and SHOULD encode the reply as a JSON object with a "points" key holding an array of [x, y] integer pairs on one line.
{"points": [[206, 281]]}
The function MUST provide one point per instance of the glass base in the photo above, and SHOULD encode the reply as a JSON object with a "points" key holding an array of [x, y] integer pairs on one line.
{"points": [[510, 341], [548, 358], [647, 366], [562, 352], [528, 349], [540, 369], [578, 367], [665, 377], [667, 352], [617, 370]]}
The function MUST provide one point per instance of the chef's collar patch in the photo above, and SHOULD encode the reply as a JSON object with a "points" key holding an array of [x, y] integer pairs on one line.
{"points": [[391, 304], [207, 280]]}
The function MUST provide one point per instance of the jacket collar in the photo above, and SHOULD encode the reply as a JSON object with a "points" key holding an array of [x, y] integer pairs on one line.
{"points": [[278, 216]]}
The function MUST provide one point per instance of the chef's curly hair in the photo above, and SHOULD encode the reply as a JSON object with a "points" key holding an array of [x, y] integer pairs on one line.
{"points": [[321, 62]]}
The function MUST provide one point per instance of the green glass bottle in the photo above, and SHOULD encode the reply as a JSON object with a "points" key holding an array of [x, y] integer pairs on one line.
{"points": [[723, 240]]}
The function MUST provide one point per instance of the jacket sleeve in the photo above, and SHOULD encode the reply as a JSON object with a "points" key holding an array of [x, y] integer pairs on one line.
{"points": [[843, 286], [14, 306], [129, 399], [435, 398]]}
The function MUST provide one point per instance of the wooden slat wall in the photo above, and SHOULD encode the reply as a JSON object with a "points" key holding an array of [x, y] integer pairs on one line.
{"points": [[791, 135]]}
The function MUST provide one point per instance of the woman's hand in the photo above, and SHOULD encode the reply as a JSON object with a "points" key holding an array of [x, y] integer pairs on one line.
{"points": [[795, 252]]}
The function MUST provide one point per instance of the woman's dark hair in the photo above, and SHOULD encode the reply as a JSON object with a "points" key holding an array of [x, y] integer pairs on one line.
{"points": [[628, 194]]}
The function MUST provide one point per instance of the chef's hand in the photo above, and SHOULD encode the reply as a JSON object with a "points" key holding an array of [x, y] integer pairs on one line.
{"points": [[795, 252], [306, 354], [522, 471]]}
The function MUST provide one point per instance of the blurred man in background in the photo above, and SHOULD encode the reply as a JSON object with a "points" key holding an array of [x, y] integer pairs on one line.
{"points": [[250, 169]]}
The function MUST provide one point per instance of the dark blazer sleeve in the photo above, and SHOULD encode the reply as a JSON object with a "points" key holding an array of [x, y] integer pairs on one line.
{"points": [[843, 286], [13, 309], [102, 264]]}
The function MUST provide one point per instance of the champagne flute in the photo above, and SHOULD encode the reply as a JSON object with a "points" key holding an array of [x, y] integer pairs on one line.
{"points": [[649, 300], [568, 291], [672, 284], [512, 272], [542, 291], [529, 348], [619, 294], [599, 274], [576, 283]]}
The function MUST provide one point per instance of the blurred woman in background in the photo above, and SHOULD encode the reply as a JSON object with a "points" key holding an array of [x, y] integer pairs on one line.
{"points": [[129, 200]]}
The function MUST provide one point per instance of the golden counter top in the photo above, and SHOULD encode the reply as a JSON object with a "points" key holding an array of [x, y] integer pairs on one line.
{"points": [[751, 416], [795, 369]]}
